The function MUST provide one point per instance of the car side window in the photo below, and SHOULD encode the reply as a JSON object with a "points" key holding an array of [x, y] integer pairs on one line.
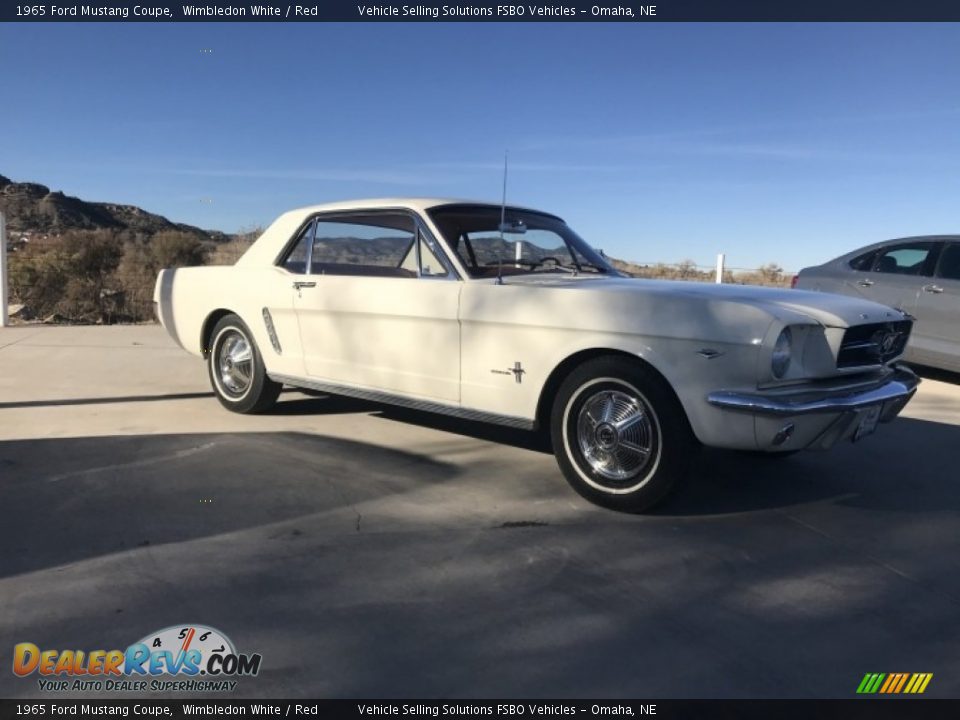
{"points": [[949, 266], [863, 262], [296, 260], [904, 259], [370, 245]]}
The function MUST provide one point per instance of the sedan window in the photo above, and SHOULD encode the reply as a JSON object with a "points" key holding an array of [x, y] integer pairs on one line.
{"points": [[949, 268], [904, 259]]}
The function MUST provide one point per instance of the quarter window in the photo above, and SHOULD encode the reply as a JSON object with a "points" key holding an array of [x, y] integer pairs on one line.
{"points": [[904, 259], [863, 262], [296, 261], [430, 265]]}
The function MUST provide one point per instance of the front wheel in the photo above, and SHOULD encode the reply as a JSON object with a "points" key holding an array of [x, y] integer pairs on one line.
{"points": [[620, 435], [236, 369]]}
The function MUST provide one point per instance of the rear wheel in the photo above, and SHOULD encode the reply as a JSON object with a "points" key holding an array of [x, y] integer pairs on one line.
{"points": [[620, 435], [236, 369]]}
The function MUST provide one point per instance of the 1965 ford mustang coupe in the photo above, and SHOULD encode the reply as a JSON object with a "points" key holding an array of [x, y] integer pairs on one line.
{"points": [[505, 315]]}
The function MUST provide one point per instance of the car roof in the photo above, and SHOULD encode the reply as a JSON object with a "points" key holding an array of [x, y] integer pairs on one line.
{"points": [[864, 249], [419, 204], [921, 237], [266, 248]]}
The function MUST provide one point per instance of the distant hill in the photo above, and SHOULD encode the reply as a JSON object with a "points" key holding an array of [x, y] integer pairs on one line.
{"points": [[33, 209]]}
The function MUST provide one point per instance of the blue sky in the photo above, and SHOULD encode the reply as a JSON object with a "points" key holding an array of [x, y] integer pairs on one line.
{"points": [[657, 142]]}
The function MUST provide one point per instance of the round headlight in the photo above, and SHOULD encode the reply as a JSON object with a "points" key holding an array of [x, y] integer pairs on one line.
{"points": [[782, 352]]}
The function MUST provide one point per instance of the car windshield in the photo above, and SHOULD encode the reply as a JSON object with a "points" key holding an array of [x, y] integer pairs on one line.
{"points": [[527, 242]]}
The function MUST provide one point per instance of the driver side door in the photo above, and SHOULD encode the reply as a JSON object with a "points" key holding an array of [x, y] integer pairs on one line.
{"points": [[378, 309]]}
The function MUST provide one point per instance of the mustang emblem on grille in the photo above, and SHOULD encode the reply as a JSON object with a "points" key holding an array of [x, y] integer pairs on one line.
{"points": [[889, 342]]}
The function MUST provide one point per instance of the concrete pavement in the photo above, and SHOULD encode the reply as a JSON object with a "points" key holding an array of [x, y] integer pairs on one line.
{"points": [[367, 551]]}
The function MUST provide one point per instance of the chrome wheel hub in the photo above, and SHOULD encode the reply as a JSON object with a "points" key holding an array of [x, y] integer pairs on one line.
{"points": [[616, 435], [235, 363], [606, 436]]}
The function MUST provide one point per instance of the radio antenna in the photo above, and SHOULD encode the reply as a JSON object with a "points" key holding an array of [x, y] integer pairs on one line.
{"points": [[503, 204]]}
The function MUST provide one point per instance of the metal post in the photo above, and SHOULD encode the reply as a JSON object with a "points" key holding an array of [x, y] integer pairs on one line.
{"points": [[720, 258], [4, 310]]}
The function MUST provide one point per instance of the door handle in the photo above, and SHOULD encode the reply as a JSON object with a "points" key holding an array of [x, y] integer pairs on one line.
{"points": [[865, 283], [931, 288], [299, 284]]}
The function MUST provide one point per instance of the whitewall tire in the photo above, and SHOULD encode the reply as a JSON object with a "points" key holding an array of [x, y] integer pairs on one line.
{"points": [[620, 435], [236, 369]]}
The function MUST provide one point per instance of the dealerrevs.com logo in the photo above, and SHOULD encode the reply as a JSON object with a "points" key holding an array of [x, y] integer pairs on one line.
{"points": [[186, 658]]}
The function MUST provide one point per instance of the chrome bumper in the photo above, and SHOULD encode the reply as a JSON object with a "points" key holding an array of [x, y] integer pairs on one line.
{"points": [[893, 394]]}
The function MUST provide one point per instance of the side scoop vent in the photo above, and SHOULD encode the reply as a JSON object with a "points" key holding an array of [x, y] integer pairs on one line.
{"points": [[272, 332]]}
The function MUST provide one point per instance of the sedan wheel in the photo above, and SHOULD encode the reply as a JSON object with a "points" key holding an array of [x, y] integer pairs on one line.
{"points": [[620, 435], [236, 368]]}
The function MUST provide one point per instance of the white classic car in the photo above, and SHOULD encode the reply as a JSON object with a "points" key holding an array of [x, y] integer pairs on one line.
{"points": [[505, 315]]}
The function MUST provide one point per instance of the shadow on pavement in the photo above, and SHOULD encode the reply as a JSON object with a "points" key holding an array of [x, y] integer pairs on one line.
{"points": [[334, 404], [854, 570], [65, 500], [902, 468], [103, 400]]}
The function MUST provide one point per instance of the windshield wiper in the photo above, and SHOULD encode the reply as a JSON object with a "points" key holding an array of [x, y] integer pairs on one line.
{"points": [[577, 267]]}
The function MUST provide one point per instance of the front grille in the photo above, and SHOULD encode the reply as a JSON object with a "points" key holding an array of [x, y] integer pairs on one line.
{"points": [[873, 344]]}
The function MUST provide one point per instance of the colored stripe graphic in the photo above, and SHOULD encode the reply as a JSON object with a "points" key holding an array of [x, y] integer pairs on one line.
{"points": [[892, 680], [894, 683], [918, 683], [870, 683], [903, 680]]}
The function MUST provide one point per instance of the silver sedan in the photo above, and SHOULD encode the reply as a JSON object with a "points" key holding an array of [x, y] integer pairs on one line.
{"points": [[919, 275]]}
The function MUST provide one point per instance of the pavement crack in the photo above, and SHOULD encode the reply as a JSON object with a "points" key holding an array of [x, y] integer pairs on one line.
{"points": [[15, 342], [872, 558], [136, 463], [522, 524]]}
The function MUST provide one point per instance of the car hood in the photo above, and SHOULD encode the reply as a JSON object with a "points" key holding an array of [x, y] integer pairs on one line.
{"points": [[825, 308]]}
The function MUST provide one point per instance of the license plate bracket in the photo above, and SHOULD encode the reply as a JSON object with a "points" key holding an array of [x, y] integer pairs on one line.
{"points": [[867, 421]]}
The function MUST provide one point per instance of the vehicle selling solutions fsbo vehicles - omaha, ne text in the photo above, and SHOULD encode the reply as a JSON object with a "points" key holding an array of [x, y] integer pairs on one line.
{"points": [[507, 316]]}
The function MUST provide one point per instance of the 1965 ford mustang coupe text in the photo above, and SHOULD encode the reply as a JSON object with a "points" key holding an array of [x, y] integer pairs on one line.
{"points": [[505, 315]]}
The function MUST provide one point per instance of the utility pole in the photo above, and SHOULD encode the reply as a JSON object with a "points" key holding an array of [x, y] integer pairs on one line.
{"points": [[4, 308]]}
